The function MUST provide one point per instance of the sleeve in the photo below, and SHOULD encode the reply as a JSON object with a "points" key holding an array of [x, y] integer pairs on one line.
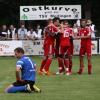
{"points": [[19, 64]]}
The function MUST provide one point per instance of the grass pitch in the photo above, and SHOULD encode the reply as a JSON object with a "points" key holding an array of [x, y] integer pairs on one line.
{"points": [[57, 87]]}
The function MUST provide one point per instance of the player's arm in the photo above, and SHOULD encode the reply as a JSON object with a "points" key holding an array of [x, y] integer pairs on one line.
{"points": [[85, 37], [72, 35], [18, 73], [82, 37]]}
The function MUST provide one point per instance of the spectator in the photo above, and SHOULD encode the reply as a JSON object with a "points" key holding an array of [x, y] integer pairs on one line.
{"points": [[30, 34], [12, 33], [3, 33], [92, 26], [75, 29], [38, 32], [22, 31]]}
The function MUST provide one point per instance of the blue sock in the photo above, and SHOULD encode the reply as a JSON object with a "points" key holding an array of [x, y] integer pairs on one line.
{"points": [[15, 89]]}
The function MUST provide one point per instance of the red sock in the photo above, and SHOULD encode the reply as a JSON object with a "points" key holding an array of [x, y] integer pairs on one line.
{"points": [[66, 61], [47, 64], [60, 65], [42, 64], [70, 65], [89, 69]]}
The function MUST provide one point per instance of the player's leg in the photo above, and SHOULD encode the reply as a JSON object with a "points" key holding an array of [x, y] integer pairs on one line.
{"points": [[70, 63], [47, 65], [89, 65], [89, 59], [16, 87], [46, 50], [42, 65], [31, 85], [66, 62], [49, 59], [82, 53], [58, 54], [70, 52], [81, 65], [61, 68]]}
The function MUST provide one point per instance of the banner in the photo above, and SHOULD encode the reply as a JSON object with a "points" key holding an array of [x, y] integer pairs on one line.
{"points": [[45, 12], [7, 47], [33, 47], [36, 47], [30, 47]]}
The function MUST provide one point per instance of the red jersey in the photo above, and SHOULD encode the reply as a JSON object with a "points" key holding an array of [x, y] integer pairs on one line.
{"points": [[65, 37], [49, 32], [85, 32]]}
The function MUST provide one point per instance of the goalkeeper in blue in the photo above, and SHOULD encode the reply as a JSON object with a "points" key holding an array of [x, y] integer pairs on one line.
{"points": [[25, 74]]}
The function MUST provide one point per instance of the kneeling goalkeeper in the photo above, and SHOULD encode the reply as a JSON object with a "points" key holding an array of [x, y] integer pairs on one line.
{"points": [[25, 74]]}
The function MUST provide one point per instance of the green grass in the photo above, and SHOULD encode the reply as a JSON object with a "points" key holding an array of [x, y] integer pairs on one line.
{"points": [[58, 87]]}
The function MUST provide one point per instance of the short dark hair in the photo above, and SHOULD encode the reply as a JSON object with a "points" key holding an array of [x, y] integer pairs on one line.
{"points": [[19, 50], [55, 19]]}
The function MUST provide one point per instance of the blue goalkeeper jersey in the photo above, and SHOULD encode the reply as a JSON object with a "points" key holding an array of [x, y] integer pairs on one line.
{"points": [[28, 71]]}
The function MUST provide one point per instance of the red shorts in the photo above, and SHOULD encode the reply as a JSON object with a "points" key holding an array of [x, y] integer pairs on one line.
{"points": [[85, 50], [48, 49], [63, 49], [70, 50]]}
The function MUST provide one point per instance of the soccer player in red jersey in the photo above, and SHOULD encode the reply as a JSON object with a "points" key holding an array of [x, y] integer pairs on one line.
{"points": [[70, 51], [85, 36], [66, 32], [48, 46], [61, 69]]}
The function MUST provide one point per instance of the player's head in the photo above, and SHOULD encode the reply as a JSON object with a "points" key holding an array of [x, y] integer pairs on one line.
{"points": [[49, 21], [83, 22], [19, 52], [89, 22], [56, 21], [66, 23]]}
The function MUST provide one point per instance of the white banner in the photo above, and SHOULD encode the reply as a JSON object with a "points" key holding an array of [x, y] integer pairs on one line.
{"points": [[33, 47], [7, 47], [30, 47], [44, 12], [36, 47]]}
